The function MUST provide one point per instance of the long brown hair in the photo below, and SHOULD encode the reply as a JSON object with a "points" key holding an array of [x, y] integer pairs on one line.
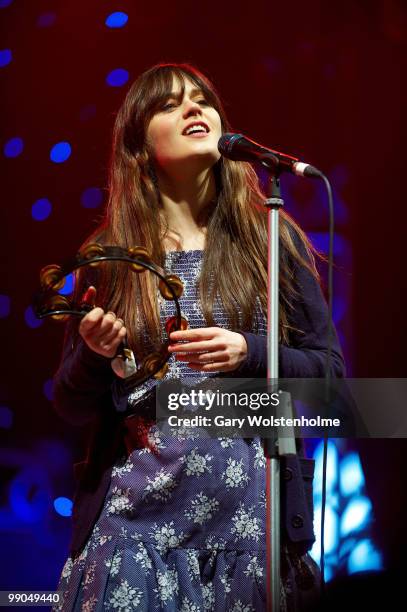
{"points": [[236, 229]]}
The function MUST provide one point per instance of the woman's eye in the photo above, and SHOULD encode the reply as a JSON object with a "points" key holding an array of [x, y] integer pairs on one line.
{"points": [[203, 102], [168, 106]]}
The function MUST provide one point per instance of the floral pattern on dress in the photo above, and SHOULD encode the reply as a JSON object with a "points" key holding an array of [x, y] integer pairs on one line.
{"points": [[208, 594], [142, 557], [165, 537], [196, 464], [119, 502], [188, 606], [160, 487], [125, 597], [114, 564], [167, 585], [254, 569], [202, 508], [239, 606], [245, 525], [234, 475]]}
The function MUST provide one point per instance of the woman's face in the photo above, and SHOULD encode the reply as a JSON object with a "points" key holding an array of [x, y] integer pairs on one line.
{"points": [[185, 130]]}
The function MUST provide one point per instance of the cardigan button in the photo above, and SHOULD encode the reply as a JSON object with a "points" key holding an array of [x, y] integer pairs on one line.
{"points": [[297, 521], [288, 474]]}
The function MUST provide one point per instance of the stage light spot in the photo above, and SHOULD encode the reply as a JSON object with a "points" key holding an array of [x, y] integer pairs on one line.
{"points": [[41, 209], [92, 197], [13, 147], [68, 285], [117, 78], [331, 538], [5, 304], [351, 478], [4, 3], [6, 417], [60, 152], [116, 20], [5, 57], [46, 20], [364, 557], [31, 319], [331, 468], [356, 515], [63, 506], [48, 389]]}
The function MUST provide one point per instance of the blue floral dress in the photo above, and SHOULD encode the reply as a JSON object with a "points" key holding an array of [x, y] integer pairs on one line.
{"points": [[183, 524]]}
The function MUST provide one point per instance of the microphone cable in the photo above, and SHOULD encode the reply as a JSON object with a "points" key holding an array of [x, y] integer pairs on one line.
{"points": [[328, 363]]}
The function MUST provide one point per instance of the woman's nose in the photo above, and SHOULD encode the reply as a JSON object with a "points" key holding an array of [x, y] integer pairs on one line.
{"points": [[191, 108]]}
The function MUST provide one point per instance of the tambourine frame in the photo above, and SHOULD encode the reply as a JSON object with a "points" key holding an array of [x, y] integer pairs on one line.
{"points": [[154, 364]]}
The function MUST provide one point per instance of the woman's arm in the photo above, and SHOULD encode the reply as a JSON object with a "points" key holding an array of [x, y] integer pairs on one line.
{"points": [[82, 382], [306, 355]]}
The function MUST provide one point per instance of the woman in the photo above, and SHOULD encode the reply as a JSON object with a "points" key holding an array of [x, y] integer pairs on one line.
{"points": [[179, 522]]}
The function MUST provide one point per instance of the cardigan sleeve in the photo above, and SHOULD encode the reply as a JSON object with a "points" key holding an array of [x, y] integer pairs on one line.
{"points": [[82, 384], [305, 357]]}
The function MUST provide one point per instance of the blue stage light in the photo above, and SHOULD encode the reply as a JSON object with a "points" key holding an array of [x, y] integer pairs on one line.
{"points": [[68, 285], [364, 557], [63, 506], [60, 152], [48, 389], [340, 306], [117, 78], [13, 147], [5, 305], [29, 494], [331, 539], [351, 478], [331, 468], [41, 209], [4, 3], [321, 242], [116, 20], [30, 318], [5, 57], [92, 197], [46, 20], [356, 515], [6, 417]]}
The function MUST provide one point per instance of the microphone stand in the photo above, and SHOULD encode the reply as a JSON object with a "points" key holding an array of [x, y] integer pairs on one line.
{"points": [[277, 446]]}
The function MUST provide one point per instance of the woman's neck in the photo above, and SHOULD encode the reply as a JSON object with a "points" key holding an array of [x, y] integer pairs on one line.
{"points": [[186, 207]]}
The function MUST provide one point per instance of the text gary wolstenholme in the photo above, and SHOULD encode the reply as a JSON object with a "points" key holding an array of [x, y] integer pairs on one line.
{"points": [[251, 420]]}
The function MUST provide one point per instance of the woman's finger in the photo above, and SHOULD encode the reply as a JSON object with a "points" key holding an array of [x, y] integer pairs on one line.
{"points": [[217, 356], [193, 335], [211, 367], [91, 321], [194, 347], [106, 325], [110, 334], [110, 346], [89, 296]]}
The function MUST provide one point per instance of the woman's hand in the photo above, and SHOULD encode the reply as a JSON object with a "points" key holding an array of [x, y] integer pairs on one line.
{"points": [[210, 349], [102, 332]]}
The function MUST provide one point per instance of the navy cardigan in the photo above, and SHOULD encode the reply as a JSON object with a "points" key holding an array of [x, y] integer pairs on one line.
{"points": [[82, 395]]}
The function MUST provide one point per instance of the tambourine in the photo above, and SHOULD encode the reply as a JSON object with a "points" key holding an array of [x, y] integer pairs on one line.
{"points": [[49, 303]]}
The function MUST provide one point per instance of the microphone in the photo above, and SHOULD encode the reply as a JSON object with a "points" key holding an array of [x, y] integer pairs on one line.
{"points": [[240, 148]]}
